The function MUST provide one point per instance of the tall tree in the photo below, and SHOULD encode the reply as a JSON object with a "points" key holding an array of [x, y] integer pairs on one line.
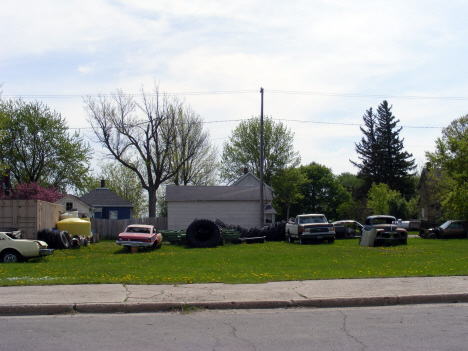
{"points": [[125, 183], [287, 184], [39, 148], [382, 155], [397, 165], [368, 150], [202, 168], [143, 136], [322, 192], [243, 149], [448, 171]]}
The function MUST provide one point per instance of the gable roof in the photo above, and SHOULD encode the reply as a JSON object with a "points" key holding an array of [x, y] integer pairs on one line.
{"points": [[216, 193], [104, 197], [246, 176], [73, 198]]}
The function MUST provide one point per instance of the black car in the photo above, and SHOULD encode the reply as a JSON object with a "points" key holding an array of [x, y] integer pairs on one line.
{"points": [[448, 230]]}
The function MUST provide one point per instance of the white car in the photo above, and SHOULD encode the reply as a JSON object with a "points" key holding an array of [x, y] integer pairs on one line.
{"points": [[14, 250]]}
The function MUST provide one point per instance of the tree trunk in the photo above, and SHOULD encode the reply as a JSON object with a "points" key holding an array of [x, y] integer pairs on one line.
{"points": [[152, 201]]}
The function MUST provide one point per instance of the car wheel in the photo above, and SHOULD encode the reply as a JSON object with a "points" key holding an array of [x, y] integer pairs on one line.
{"points": [[63, 240], [10, 256], [290, 238], [301, 240], [331, 241], [404, 241]]}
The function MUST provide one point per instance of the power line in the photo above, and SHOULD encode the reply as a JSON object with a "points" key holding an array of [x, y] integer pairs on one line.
{"points": [[286, 120], [229, 92]]}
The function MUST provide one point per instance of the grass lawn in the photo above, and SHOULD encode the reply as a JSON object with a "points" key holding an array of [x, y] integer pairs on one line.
{"points": [[255, 263]]}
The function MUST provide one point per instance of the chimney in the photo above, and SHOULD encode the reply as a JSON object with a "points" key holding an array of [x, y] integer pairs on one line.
{"points": [[103, 183], [246, 170]]}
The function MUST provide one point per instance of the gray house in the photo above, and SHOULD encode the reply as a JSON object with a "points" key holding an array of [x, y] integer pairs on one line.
{"points": [[238, 205]]}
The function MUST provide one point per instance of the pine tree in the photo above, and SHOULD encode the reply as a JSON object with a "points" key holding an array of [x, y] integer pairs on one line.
{"points": [[397, 164], [368, 150], [382, 155]]}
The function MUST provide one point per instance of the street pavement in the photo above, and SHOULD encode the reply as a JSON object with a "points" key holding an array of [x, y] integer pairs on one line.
{"points": [[119, 298]]}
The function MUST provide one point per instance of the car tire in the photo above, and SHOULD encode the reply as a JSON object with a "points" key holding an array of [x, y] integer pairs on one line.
{"points": [[331, 241], [203, 233], [301, 240], [10, 256], [290, 238], [63, 241], [404, 242]]}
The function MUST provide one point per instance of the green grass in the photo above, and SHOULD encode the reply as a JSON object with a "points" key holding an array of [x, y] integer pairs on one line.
{"points": [[273, 261]]}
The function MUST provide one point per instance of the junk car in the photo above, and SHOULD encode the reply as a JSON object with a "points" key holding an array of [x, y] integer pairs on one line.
{"points": [[449, 229], [139, 235], [13, 249]]}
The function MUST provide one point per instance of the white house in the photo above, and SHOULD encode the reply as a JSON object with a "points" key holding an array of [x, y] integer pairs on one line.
{"points": [[74, 203], [237, 204]]}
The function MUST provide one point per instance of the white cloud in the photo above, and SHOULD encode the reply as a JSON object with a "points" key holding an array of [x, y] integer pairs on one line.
{"points": [[331, 49]]}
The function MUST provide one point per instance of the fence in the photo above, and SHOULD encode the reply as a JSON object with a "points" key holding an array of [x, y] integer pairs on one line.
{"points": [[110, 228]]}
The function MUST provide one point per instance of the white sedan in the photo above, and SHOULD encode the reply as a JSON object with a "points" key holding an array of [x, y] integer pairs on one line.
{"points": [[14, 250]]}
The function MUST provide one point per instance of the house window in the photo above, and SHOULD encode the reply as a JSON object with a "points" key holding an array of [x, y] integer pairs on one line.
{"points": [[113, 214], [69, 206], [268, 218]]}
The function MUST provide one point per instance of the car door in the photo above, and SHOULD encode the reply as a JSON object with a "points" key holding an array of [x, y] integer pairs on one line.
{"points": [[455, 230]]}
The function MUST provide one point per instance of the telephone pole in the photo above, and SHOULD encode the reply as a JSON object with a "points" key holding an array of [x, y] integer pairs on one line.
{"points": [[262, 220]]}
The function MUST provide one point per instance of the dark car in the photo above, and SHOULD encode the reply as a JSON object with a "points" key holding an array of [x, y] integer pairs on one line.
{"points": [[448, 230], [346, 229]]}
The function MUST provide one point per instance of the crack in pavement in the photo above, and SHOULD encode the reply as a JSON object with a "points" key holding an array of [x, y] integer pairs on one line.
{"points": [[234, 334], [128, 292], [300, 285], [345, 317]]}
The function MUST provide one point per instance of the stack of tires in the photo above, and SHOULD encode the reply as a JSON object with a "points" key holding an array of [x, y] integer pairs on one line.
{"points": [[60, 239]]}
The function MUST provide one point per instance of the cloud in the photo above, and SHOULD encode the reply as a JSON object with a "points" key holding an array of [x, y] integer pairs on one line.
{"points": [[320, 61]]}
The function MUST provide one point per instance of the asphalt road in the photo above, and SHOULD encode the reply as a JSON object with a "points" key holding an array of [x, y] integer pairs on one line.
{"points": [[414, 327]]}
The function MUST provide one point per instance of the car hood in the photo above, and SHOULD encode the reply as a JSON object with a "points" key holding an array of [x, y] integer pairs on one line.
{"points": [[311, 225], [387, 227]]}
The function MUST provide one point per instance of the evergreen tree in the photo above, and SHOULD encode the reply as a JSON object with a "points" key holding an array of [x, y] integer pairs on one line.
{"points": [[382, 155], [368, 151]]}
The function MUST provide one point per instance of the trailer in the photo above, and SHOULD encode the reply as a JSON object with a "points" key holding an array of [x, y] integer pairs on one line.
{"points": [[28, 216], [207, 233]]}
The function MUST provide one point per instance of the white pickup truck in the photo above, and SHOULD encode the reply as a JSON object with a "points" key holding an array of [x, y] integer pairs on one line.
{"points": [[310, 227]]}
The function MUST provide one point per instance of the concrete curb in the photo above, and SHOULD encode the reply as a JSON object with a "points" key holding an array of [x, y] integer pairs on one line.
{"points": [[53, 309]]}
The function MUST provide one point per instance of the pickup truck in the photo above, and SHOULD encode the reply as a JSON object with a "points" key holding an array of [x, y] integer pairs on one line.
{"points": [[307, 227]]}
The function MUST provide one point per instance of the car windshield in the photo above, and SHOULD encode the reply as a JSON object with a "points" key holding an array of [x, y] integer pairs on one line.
{"points": [[383, 220], [137, 230], [445, 225], [312, 219]]}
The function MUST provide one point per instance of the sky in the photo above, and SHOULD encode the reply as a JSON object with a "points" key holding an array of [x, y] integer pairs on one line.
{"points": [[321, 64]]}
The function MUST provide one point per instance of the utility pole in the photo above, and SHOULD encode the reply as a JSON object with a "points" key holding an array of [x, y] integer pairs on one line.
{"points": [[261, 162]]}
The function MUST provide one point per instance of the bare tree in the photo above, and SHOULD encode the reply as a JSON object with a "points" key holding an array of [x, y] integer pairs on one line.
{"points": [[142, 136], [202, 168]]}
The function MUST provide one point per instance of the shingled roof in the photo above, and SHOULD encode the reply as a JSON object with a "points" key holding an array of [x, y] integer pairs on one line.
{"points": [[104, 197], [216, 193]]}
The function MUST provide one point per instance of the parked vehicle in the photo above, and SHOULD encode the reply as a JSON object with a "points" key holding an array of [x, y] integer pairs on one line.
{"points": [[139, 235], [387, 231], [450, 229], [371, 221], [347, 229], [14, 250], [307, 227]]}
